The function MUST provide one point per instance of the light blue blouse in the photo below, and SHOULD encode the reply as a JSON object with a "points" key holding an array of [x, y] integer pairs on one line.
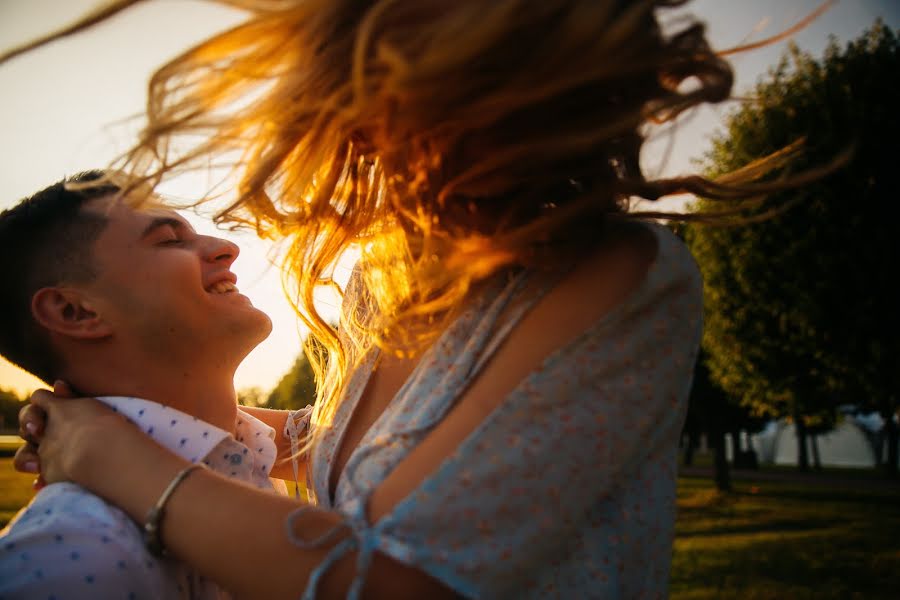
{"points": [[568, 488]]}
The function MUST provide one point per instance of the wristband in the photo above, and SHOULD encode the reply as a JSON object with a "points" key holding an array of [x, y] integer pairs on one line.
{"points": [[153, 523]]}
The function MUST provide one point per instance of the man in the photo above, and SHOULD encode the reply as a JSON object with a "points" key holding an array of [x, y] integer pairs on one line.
{"points": [[132, 306]]}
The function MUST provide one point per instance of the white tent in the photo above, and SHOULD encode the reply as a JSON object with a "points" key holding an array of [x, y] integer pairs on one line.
{"points": [[851, 444]]}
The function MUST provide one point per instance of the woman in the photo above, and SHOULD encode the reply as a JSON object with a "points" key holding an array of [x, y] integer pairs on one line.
{"points": [[500, 407]]}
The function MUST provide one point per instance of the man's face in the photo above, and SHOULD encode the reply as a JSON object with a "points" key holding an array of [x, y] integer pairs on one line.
{"points": [[169, 290]]}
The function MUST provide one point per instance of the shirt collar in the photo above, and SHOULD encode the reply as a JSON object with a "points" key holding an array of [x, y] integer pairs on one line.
{"points": [[187, 436]]}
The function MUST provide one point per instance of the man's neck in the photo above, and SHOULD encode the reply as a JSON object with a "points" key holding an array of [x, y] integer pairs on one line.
{"points": [[208, 396]]}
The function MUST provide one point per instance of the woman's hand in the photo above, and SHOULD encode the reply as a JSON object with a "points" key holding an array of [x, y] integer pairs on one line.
{"points": [[32, 421], [64, 435], [31, 427], [26, 459]]}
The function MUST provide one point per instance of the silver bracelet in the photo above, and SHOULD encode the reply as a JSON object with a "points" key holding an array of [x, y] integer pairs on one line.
{"points": [[153, 523]]}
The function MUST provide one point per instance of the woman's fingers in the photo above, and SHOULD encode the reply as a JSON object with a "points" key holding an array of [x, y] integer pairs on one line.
{"points": [[43, 399], [32, 421], [33, 418], [61, 389], [26, 459]]}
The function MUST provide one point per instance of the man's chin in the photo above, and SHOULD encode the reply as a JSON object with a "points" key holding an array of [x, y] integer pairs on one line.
{"points": [[259, 328], [244, 331], [265, 326]]}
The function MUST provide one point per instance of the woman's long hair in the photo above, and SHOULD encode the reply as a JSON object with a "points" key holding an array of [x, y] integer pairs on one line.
{"points": [[447, 139]]}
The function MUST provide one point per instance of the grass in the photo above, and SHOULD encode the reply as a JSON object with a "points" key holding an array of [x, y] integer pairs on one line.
{"points": [[15, 490], [9, 443], [765, 540], [784, 540]]}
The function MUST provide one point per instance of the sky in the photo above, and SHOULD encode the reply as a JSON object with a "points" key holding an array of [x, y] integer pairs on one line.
{"points": [[75, 105]]}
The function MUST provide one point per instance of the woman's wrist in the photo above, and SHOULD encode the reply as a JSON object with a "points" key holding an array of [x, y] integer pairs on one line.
{"points": [[126, 467], [98, 450]]}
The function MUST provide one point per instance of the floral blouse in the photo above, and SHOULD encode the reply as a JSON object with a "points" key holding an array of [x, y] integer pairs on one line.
{"points": [[567, 489]]}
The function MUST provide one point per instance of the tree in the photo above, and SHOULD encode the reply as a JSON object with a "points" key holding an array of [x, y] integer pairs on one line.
{"points": [[802, 309], [298, 386], [10, 404], [713, 412], [296, 389], [252, 396], [706, 407]]}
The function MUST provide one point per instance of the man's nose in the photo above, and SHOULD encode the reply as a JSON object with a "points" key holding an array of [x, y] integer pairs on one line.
{"points": [[219, 250]]}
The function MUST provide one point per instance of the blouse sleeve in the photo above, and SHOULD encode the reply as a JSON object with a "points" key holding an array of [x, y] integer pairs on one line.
{"points": [[577, 466], [296, 427]]}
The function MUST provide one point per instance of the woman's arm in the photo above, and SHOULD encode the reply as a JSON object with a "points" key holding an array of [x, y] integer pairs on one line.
{"points": [[230, 532], [32, 421], [276, 419]]}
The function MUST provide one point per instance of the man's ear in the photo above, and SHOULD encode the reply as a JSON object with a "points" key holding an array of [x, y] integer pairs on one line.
{"points": [[67, 312]]}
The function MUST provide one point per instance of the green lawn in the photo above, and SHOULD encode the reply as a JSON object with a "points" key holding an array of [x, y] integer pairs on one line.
{"points": [[15, 490], [786, 540], [765, 540]]}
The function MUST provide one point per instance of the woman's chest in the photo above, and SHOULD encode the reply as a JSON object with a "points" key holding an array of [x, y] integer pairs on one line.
{"points": [[382, 386]]}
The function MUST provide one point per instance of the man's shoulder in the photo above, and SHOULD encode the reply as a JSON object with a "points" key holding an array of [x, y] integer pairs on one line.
{"points": [[70, 505], [69, 540]]}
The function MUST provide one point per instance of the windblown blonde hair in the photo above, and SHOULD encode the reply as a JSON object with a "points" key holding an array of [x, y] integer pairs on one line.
{"points": [[449, 139]]}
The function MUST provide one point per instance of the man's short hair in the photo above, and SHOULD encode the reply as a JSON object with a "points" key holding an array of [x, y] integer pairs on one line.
{"points": [[45, 240]]}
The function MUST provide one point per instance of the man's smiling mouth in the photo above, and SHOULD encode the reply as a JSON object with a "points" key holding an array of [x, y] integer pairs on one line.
{"points": [[222, 287]]}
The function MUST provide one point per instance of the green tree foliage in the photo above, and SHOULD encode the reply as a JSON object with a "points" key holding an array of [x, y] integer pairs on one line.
{"points": [[801, 310], [252, 396], [296, 389], [298, 386], [713, 412], [10, 404]]}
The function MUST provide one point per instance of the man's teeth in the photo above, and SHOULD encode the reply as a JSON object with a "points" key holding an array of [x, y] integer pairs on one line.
{"points": [[223, 287]]}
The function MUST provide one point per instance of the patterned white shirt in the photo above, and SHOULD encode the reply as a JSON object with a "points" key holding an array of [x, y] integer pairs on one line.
{"points": [[70, 544]]}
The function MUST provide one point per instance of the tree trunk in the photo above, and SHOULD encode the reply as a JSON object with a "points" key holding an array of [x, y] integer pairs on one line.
{"points": [[817, 461], [890, 435], [736, 461], [752, 455], [802, 455], [876, 442], [717, 438], [689, 448], [723, 472]]}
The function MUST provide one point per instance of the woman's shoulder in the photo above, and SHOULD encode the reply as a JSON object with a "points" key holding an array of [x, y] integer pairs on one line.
{"points": [[639, 260], [641, 271]]}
